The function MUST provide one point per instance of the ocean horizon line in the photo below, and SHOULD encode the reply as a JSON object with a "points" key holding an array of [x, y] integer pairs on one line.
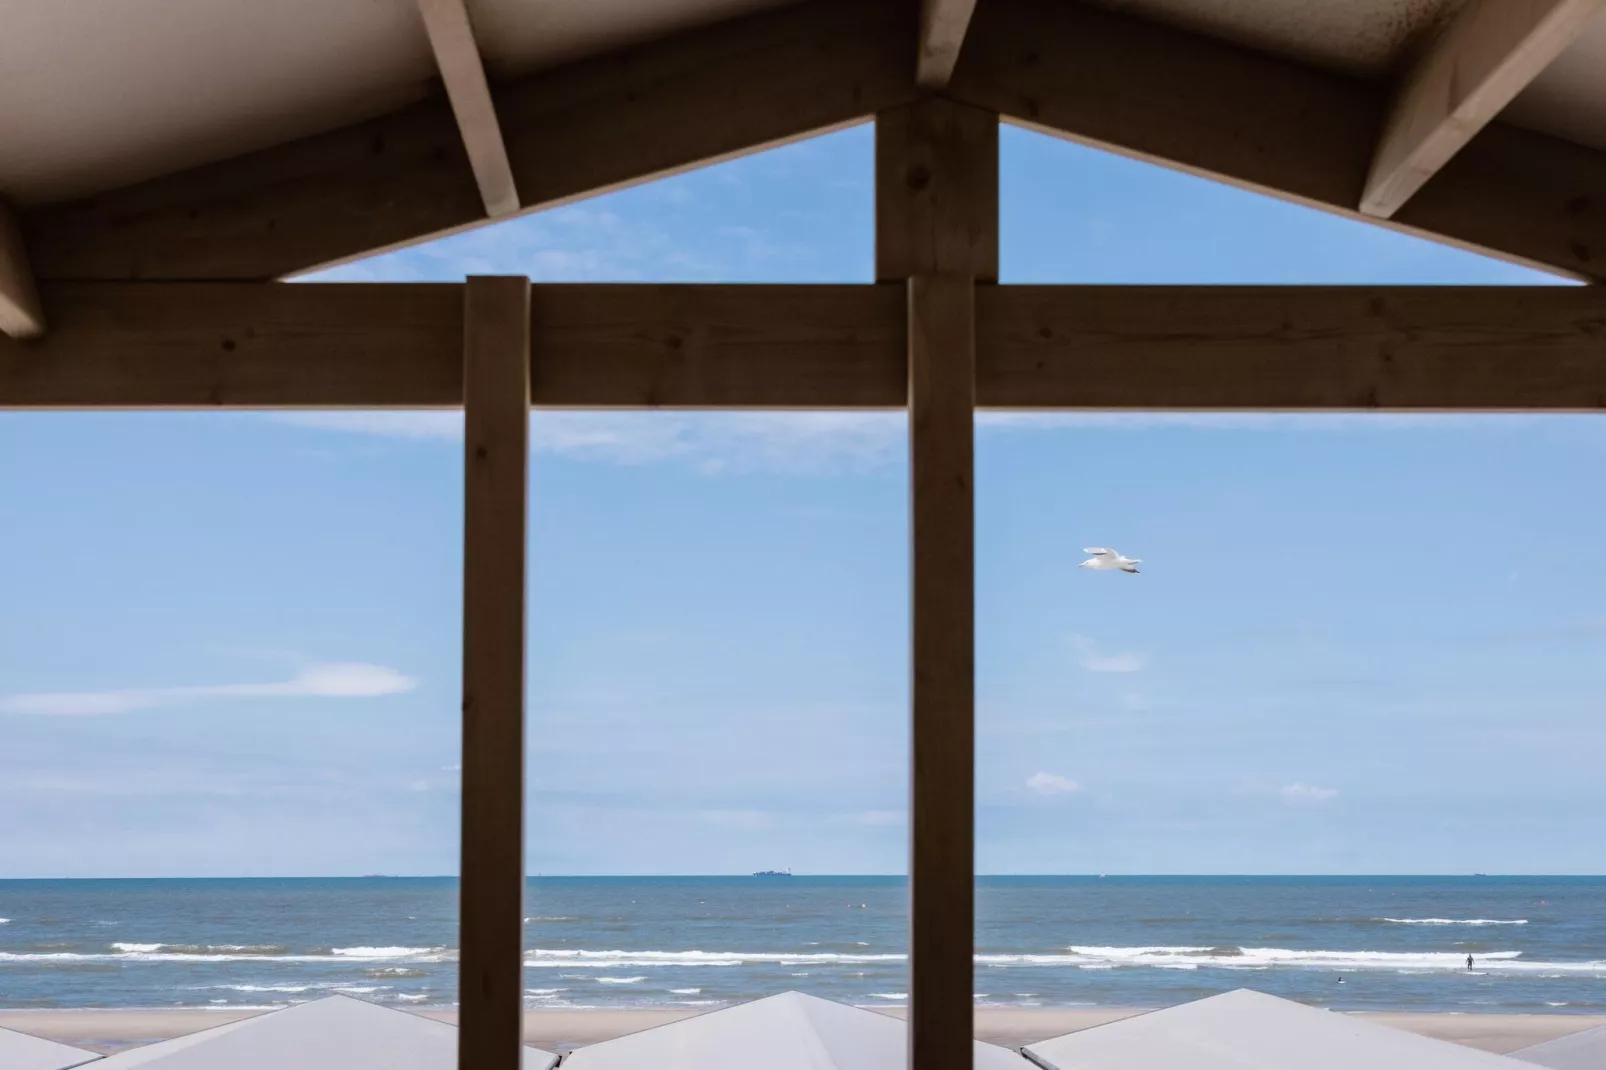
{"points": [[1496, 875]]}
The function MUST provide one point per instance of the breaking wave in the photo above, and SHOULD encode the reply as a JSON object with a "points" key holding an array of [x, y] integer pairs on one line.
{"points": [[1455, 921]]}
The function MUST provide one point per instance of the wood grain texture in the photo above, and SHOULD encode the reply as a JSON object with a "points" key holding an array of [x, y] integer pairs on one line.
{"points": [[457, 57], [496, 391], [241, 345], [735, 346], [399, 346], [942, 752], [936, 177], [572, 132], [1208, 108], [20, 314], [1478, 65], [1294, 348], [937, 227], [942, 33]]}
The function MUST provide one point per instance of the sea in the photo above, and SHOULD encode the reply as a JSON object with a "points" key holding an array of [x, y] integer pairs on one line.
{"points": [[1538, 944]]}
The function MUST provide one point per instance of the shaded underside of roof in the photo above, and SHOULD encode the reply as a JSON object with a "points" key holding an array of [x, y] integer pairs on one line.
{"points": [[97, 96]]}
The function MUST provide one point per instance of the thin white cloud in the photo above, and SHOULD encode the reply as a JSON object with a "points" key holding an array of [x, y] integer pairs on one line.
{"points": [[1089, 657], [710, 442], [1050, 785], [716, 442], [1301, 794], [325, 680]]}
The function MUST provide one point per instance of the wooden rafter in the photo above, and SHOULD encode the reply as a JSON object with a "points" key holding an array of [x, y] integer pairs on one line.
{"points": [[1204, 348], [457, 56], [1163, 95], [20, 315], [1482, 60], [592, 126], [942, 33]]}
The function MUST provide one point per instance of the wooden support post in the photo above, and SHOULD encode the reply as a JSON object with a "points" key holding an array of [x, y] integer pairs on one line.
{"points": [[496, 402], [936, 226]]}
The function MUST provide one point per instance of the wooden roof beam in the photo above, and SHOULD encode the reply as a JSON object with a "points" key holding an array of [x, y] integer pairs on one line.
{"points": [[1166, 96], [745, 346], [588, 127], [942, 31], [451, 37], [1482, 60], [20, 315]]}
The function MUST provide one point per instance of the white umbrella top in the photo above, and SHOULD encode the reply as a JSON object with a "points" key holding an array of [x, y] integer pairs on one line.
{"points": [[335, 1033], [1248, 1030], [1584, 1050], [19, 1051], [790, 1031]]}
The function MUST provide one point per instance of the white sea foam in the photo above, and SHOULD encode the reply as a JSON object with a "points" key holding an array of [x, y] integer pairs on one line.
{"points": [[406, 997], [383, 952], [686, 991], [5, 921], [889, 995], [621, 980], [1455, 921]]}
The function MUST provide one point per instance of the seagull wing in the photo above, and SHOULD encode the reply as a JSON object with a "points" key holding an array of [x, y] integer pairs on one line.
{"points": [[1098, 551]]}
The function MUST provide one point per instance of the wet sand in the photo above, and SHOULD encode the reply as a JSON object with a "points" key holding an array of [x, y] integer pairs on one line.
{"points": [[115, 1030]]}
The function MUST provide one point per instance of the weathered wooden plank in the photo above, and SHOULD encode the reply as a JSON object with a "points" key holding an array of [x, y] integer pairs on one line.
{"points": [[1478, 65], [936, 191], [942, 33], [1292, 348], [391, 345], [240, 345], [1111, 80], [246, 346], [20, 314], [937, 226], [457, 57], [942, 750], [496, 390], [599, 124], [701, 346]]}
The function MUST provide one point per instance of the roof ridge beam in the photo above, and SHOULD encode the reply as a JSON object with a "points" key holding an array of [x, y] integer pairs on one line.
{"points": [[457, 55], [1478, 65]]}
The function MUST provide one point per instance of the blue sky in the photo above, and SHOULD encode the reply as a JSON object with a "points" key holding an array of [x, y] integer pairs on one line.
{"points": [[229, 642]]}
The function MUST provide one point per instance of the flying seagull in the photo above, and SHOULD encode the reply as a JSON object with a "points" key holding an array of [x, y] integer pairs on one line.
{"points": [[1106, 560]]}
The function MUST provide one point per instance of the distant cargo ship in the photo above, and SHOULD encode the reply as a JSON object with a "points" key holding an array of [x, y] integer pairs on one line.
{"points": [[773, 873]]}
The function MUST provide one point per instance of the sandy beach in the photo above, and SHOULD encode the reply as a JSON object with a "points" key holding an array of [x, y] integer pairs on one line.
{"points": [[114, 1030]]}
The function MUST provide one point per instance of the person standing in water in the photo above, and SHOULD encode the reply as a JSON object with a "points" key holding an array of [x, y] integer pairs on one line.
{"points": [[1469, 962]]}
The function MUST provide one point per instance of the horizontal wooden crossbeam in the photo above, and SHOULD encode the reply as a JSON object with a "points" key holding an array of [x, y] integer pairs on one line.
{"points": [[304, 346]]}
